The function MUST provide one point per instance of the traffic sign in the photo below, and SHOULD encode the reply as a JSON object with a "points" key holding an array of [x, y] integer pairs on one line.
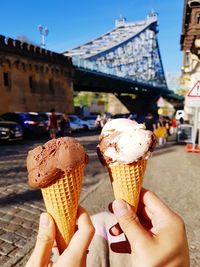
{"points": [[193, 96], [195, 91]]}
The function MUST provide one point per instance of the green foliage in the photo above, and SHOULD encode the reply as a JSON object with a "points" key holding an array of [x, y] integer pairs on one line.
{"points": [[85, 98]]}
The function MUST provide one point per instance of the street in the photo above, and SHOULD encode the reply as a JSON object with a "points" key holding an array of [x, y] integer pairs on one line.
{"points": [[172, 174]]}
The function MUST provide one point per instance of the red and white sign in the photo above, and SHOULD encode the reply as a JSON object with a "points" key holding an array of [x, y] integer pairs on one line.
{"points": [[195, 91], [193, 96]]}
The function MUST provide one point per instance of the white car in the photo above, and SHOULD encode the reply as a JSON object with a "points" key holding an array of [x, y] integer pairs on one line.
{"points": [[76, 123], [91, 122]]}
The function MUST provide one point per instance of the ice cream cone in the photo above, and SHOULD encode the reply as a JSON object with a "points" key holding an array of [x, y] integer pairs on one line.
{"points": [[61, 200], [127, 180]]}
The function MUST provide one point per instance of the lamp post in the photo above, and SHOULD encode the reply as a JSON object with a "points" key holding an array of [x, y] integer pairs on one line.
{"points": [[44, 32]]}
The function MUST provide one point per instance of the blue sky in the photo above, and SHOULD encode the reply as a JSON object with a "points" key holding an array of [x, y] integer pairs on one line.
{"points": [[72, 23]]}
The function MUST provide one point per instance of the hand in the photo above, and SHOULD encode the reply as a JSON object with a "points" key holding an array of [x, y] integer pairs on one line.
{"points": [[157, 236], [75, 253]]}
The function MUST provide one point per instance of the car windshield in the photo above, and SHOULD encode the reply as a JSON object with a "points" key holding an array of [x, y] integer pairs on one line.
{"points": [[73, 119], [44, 116], [35, 117], [89, 118]]}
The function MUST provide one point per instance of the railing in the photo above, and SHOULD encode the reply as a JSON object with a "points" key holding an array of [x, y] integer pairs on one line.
{"points": [[93, 66]]}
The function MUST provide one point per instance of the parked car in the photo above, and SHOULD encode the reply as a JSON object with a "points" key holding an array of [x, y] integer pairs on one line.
{"points": [[10, 131], [32, 124], [76, 124], [45, 115], [91, 122], [121, 115], [85, 124]]}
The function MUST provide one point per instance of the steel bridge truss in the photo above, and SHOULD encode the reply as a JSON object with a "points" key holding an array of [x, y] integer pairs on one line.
{"points": [[130, 51], [138, 58]]}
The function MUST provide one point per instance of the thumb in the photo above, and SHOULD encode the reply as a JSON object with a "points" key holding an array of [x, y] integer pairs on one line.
{"points": [[45, 240], [129, 222]]}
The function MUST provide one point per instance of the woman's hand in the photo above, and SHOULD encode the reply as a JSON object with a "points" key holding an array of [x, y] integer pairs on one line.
{"points": [[75, 253], [155, 237]]}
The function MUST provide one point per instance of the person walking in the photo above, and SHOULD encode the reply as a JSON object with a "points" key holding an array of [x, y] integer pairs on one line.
{"points": [[53, 124], [64, 124], [98, 121], [149, 122], [161, 133]]}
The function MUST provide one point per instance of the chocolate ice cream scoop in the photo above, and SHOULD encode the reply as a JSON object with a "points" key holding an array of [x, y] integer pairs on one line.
{"points": [[125, 141], [53, 160]]}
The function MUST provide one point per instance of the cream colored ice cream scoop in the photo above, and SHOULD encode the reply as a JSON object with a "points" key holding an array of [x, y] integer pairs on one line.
{"points": [[125, 141]]}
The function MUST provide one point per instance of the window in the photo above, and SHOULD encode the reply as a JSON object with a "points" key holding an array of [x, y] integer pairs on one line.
{"points": [[31, 84], [51, 86], [198, 19], [7, 80], [187, 58]]}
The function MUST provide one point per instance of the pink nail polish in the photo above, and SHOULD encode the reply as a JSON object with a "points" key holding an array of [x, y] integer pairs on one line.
{"points": [[44, 220], [120, 207]]}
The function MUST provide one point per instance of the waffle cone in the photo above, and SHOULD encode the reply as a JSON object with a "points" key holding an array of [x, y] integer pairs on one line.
{"points": [[127, 180], [61, 200]]}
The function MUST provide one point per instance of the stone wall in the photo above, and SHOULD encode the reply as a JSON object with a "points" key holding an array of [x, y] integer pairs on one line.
{"points": [[34, 79]]}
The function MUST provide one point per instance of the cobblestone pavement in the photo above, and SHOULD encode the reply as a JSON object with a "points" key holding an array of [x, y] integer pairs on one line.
{"points": [[20, 206], [172, 173]]}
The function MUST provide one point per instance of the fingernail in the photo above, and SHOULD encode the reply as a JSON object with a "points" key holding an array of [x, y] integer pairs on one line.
{"points": [[44, 220], [120, 207]]}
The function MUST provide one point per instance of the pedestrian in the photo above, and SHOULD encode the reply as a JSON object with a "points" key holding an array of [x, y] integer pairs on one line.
{"points": [[173, 127], [53, 124], [181, 120], [161, 133], [149, 122], [155, 236], [98, 121], [104, 119], [64, 124]]}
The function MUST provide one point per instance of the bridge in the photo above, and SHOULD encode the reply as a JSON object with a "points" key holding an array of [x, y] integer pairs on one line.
{"points": [[124, 61]]}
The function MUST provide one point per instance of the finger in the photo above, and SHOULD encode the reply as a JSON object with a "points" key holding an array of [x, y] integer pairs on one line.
{"points": [[129, 222], [78, 246], [154, 207], [45, 240], [121, 247], [115, 230]]}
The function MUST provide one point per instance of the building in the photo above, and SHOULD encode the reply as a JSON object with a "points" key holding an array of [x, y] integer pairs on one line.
{"points": [[33, 79], [190, 45]]}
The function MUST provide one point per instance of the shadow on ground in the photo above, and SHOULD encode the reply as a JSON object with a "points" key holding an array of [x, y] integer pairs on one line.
{"points": [[20, 198]]}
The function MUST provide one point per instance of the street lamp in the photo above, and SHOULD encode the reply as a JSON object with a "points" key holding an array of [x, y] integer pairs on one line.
{"points": [[44, 32]]}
